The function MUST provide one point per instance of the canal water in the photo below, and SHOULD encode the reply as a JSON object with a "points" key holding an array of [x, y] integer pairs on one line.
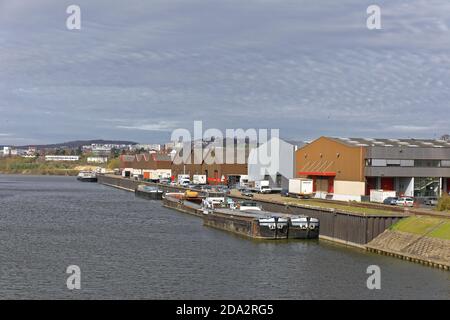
{"points": [[129, 248]]}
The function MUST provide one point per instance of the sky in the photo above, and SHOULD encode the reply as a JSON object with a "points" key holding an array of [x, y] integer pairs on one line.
{"points": [[137, 70]]}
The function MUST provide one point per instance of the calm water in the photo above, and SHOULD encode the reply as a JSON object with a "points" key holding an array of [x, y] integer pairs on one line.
{"points": [[130, 248]]}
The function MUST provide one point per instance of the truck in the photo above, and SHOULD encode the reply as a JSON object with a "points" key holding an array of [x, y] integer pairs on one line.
{"points": [[300, 187], [243, 182], [262, 186], [380, 195], [199, 179], [184, 179]]}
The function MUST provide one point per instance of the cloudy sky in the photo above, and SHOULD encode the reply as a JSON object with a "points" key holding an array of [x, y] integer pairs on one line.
{"points": [[138, 69]]}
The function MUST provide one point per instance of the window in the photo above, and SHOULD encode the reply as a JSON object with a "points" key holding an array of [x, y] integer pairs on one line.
{"points": [[445, 163], [426, 187], [427, 163], [379, 162], [392, 163], [406, 163]]}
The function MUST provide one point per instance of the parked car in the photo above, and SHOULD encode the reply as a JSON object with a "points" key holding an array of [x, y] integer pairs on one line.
{"points": [[284, 192], [265, 189], [390, 200], [247, 193], [405, 201], [223, 189], [431, 201], [206, 188]]}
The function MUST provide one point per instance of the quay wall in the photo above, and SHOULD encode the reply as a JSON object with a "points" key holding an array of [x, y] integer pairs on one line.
{"points": [[344, 228], [369, 232], [131, 185]]}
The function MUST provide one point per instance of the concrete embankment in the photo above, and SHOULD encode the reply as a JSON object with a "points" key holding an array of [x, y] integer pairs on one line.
{"points": [[412, 247], [420, 239]]}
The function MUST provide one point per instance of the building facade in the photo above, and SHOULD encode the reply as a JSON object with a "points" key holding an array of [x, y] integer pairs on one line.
{"points": [[273, 161], [348, 168], [148, 166], [213, 163]]}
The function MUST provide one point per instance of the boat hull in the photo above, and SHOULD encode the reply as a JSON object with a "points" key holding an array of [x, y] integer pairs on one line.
{"points": [[149, 195], [90, 179], [299, 233]]}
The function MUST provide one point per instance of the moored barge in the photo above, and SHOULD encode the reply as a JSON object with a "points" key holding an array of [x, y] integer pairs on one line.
{"points": [[149, 192], [87, 176], [248, 220]]}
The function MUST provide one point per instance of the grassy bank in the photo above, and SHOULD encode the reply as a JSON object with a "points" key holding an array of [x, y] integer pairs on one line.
{"points": [[33, 166], [425, 226]]}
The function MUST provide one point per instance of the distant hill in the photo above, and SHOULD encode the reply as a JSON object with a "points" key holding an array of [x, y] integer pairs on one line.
{"points": [[78, 143]]}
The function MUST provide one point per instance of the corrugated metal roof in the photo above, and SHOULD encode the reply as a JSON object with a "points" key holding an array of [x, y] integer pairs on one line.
{"points": [[373, 142]]}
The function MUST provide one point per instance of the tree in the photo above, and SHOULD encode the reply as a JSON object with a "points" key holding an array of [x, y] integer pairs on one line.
{"points": [[445, 137]]}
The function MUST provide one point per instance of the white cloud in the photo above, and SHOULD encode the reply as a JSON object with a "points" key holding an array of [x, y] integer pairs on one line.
{"points": [[158, 126], [304, 67]]}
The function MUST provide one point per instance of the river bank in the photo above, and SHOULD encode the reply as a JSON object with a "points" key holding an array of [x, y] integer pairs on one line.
{"points": [[34, 166]]}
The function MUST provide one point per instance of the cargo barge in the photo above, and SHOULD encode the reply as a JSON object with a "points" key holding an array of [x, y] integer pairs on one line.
{"points": [[148, 192], [87, 176], [248, 221]]}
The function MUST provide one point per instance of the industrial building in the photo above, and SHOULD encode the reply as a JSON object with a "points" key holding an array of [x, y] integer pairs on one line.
{"points": [[147, 166], [348, 168], [273, 161], [215, 166]]}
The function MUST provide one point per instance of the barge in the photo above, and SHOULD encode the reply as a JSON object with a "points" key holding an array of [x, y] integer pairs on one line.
{"points": [[87, 176], [148, 192], [247, 220]]}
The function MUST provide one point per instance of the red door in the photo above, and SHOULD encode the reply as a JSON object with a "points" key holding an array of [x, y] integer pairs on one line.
{"points": [[330, 184], [387, 183], [448, 185], [371, 184]]}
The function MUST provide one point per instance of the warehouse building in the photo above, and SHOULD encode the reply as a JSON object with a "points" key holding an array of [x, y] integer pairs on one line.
{"points": [[214, 165], [147, 166], [348, 168], [273, 161]]}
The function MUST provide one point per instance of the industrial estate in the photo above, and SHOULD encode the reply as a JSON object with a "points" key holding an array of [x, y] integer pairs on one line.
{"points": [[389, 196]]}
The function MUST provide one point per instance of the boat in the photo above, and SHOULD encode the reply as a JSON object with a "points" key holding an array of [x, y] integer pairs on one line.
{"points": [[193, 196], [148, 192], [87, 176], [302, 227], [249, 206], [273, 227]]}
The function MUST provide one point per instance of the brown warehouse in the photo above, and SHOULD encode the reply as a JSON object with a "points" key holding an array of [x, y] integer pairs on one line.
{"points": [[348, 168], [217, 171]]}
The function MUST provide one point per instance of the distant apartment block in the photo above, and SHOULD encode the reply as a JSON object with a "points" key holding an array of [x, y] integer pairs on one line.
{"points": [[97, 159], [147, 147], [62, 158]]}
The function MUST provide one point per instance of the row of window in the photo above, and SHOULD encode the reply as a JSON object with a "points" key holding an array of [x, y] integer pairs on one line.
{"points": [[407, 163]]}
